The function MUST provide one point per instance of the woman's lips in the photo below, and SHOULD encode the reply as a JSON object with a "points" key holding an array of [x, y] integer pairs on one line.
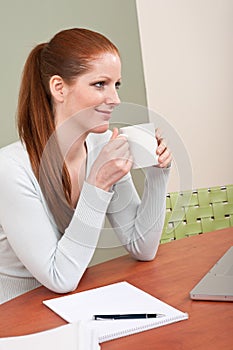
{"points": [[105, 113]]}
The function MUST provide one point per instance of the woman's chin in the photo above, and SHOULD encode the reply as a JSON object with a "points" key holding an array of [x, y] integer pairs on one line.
{"points": [[101, 128]]}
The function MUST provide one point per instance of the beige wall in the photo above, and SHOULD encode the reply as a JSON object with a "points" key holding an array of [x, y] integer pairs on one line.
{"points": [[187, 48]]}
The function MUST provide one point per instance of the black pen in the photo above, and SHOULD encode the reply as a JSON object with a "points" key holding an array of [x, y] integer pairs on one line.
{"points": [[125, 316]]}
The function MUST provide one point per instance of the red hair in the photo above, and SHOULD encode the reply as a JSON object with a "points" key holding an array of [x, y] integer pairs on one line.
{"points": [[69, 54]]}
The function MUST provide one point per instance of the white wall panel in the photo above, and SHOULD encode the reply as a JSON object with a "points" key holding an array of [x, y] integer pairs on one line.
{"points": [[187, 49]]}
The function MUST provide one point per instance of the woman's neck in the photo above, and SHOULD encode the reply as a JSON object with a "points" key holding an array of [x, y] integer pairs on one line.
{"points": [[76, 160]]}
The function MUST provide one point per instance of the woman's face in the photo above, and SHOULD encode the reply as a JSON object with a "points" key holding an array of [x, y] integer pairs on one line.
{"points": [[93, 96]]}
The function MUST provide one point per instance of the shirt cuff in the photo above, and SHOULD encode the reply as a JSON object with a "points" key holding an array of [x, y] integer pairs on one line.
{"points": [[92, 205]]}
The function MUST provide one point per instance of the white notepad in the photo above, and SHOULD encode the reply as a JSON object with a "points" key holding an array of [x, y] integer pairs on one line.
{"points": [[117, 298]]}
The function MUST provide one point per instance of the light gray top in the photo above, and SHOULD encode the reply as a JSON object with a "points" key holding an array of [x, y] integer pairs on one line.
{"points": [[33, 252]]}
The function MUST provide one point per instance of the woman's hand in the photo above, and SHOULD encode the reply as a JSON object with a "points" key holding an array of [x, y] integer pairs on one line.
{"points": [[113, 162], [165, 156]]}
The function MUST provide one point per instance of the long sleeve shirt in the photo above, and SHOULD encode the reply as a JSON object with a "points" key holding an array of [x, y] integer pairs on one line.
{"points": [[32, 250]]}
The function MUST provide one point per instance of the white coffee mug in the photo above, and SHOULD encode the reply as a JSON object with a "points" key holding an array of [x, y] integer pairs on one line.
{"points": [[142, 143]]}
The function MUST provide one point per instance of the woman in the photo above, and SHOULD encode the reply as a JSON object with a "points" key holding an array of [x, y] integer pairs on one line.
{"points": [[68, 170]]}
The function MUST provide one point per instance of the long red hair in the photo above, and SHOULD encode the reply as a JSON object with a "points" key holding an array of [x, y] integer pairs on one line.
{"points": [[68, 54]]}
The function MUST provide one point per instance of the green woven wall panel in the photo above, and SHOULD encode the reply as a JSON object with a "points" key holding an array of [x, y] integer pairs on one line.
{"points": [[197, 211]]}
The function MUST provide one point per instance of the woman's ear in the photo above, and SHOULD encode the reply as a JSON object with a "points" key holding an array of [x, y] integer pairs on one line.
{"points": [[57, 88]]}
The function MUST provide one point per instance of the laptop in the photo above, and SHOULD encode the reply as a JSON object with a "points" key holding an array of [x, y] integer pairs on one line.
{"points": [[217, 284]]}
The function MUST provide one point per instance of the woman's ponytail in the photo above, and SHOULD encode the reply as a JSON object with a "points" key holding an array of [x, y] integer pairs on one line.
{"points": [[35, 119], [36, 129]]}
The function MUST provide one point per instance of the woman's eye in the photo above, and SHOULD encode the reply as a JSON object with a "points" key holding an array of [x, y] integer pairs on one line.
{"points": [[100, 84], [117, 85]]}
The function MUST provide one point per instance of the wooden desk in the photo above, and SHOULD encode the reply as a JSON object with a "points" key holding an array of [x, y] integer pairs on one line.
{"points": [[179, 265]]}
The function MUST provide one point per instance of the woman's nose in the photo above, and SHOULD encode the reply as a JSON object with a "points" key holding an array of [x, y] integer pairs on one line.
{"points": [[113, 98]]}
